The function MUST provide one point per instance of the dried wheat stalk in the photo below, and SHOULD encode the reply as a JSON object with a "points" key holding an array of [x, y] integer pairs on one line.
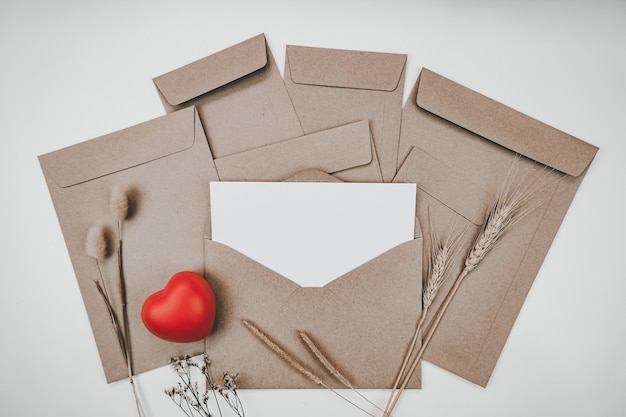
{"points": [[442, 252], [513, 203]]}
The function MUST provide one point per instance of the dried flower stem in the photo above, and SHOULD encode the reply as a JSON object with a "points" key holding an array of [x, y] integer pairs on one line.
{"points": [[122, 335], [96, 247], [118, 205], [123, 297], [112, 315], [187, 396], [290, 360]]}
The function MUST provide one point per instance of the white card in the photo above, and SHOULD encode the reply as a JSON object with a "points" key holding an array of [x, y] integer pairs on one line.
{"points": [[312, 233]]}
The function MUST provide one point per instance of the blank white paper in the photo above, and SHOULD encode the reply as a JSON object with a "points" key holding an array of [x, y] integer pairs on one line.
{"points": [[312, 233]]}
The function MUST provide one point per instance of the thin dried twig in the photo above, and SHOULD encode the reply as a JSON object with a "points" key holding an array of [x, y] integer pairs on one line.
{"points": [[112, 316]]}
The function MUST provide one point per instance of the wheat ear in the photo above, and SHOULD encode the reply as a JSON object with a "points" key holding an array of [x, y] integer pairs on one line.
{"points": [[442, 251], [513, 203]]}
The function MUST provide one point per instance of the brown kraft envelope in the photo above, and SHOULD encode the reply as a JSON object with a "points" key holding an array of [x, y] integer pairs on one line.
{"points": [[162, 164], [240, 96], [458, 147], [331, 87], [244, 106], [362, 321]]}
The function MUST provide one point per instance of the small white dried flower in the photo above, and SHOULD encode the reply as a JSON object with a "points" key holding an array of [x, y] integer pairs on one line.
{"points": [[96, 244], [119, 203], [230, 381]]}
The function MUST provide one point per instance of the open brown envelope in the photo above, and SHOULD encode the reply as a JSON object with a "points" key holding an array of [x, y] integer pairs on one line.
{"points": [[363, 320], [330, 87], [163, 164], [240, 96], [460, 147]]}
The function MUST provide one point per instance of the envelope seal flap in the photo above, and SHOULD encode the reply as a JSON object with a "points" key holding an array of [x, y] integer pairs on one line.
{"points": [[312, 175], [213, 71], [503, 125], [328, 150], [345, 68], [444, 185], [118, 151]]}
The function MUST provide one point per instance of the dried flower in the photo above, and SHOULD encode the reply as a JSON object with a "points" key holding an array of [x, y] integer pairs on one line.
{"points": [[188, 396], [119, 204], [96, 244], [230, 381]]}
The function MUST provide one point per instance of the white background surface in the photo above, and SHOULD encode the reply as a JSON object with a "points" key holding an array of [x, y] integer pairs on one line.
{"points": [[74, 70]]}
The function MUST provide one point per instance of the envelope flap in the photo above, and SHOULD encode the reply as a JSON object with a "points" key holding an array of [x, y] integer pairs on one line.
{"points": [[402, 262], [213, 71], [442, 183], [117, 151], [344, 68], [330, 150], [503, 125]]}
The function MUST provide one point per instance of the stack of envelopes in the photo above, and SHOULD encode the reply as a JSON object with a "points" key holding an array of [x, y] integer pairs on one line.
{"points": [[336, 115]]}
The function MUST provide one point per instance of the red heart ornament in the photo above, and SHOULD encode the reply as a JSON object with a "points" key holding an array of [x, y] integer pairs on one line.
{"points": [[183, 311]]}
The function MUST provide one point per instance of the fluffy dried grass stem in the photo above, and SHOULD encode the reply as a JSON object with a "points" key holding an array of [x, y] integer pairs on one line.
{"points": [[95, 243], [118, 204], [290, 360], [282, 353], [323, 359], [96, 247]]}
